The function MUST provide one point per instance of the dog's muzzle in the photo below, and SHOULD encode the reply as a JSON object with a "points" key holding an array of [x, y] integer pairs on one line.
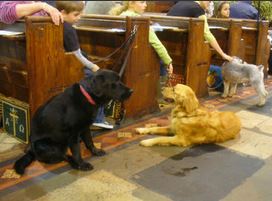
{"points": [[127, 94]]}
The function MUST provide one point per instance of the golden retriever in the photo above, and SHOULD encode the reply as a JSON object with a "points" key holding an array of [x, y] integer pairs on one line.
{"points": [[192, 124]]}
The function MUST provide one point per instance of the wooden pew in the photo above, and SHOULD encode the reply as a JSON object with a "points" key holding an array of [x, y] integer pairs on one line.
{"points": [[33, 68], [34, 65], [236, 37], [46, 70], [190, 53], [244, 38], [100, 35]]}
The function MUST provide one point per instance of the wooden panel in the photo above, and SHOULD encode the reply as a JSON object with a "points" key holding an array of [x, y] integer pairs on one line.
{"points": [[247, 39], [198, 59], [44, 63], [262, 52], [142, 71], [184, 41]]}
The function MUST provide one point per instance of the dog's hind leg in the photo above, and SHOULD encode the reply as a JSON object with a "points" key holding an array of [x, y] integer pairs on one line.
{"points": [[262, 93], [226, 89], [48, 151], [166, 130], [88, 141], [164, 141]]}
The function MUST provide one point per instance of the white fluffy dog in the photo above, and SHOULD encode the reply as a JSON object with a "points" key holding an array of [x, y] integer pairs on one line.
{"points": [[237, 71]]}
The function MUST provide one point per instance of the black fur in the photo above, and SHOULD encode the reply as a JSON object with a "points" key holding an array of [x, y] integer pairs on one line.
{"points": [[64, 120]]}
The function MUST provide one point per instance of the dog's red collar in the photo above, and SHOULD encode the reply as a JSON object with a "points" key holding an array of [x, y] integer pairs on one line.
{"points": [[89, 98]]}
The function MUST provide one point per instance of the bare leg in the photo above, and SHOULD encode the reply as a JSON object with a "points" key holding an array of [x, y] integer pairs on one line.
{"points": [[154, 130], [164, 141], [226, 89]]}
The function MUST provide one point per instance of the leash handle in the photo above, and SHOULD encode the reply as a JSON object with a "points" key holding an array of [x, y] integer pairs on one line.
{"points": [[131, 40], [132, 34]]}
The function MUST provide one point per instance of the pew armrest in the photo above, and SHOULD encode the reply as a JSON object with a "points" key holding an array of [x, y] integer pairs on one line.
{"points": [[99, 29]]}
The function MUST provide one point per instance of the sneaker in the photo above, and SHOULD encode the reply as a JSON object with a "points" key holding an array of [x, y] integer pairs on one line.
{"points": [[103, 125]]}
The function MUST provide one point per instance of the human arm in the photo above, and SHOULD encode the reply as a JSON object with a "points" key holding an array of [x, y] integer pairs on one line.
{"points": [[85, 61], [10, 11], [160, 50], [23, 10], [218, 49], [208, 36]]}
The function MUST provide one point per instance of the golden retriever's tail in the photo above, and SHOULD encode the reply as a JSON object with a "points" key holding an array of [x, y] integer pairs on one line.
{"points": [[21, 164]]}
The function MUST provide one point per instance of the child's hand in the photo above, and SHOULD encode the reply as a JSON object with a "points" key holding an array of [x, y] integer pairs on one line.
{"points": [[227, 57], [170, 68], [95, 68]]}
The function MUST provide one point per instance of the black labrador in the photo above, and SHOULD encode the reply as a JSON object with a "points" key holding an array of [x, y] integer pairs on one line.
{"points": [[64, 120]]}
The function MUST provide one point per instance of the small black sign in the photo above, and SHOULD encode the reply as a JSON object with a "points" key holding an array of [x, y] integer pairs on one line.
{"points": [[16, 119]]}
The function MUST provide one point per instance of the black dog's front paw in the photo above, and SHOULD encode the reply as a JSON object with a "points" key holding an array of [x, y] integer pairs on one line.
{"points": [[98, 152], [79, 166], [85, 166]]}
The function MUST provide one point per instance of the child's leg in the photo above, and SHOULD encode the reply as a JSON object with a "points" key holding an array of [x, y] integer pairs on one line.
{"points": [[161, 82], [87, 72], [100, 117]]}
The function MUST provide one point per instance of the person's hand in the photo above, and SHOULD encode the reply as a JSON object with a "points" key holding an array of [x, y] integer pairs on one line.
{"points": [[54, 13], [170, 69], [227, 57], [95, 68]]}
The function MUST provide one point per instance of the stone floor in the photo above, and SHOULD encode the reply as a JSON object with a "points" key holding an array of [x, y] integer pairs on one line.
{"points": [[236, 170]]}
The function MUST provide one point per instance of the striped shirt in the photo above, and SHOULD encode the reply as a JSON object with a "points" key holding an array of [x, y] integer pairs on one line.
{"points": [[8, 11]]}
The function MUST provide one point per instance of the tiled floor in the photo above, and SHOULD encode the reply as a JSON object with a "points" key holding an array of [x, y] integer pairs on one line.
{"points": [[236, 170]]}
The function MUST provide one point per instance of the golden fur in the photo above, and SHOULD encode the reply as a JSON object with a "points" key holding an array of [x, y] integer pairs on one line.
{"points": [[192, 124]]}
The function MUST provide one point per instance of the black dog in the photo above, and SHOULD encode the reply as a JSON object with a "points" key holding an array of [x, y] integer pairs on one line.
{"points": [[64, 120]]}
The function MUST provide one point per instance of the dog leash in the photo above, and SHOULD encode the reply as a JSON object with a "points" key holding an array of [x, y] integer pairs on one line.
{"points": [[127, 42]]}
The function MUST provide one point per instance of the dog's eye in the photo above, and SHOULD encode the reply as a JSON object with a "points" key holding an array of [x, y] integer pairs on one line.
{"points": [[113, 85]]}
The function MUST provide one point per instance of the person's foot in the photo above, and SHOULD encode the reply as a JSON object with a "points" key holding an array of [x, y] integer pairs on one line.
{"points": [[103, 125]]}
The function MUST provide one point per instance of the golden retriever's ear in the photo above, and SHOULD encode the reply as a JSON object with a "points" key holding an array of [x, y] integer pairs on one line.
{"points": [[190, 102]]}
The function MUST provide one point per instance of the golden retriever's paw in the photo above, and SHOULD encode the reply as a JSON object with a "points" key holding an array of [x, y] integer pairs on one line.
{"points": [[224, 95], [146, 143], [141, 131]]}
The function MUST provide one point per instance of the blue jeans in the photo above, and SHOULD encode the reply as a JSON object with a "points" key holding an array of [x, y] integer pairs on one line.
{"points": [[163, 70], [100, 117], [215, 78]]}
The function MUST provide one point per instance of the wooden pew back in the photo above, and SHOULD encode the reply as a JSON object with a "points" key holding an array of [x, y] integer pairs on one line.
{"points": [[101, 35], [36, 66], [191, 56], [244, 38], [13, 62]]}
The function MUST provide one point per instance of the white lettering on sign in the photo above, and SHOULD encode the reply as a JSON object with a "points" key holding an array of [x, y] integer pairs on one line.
{"points": [[21, 128], [7, 121]]}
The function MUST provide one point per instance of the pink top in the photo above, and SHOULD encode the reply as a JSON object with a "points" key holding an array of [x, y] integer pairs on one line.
{"points": [[8, 13]]}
